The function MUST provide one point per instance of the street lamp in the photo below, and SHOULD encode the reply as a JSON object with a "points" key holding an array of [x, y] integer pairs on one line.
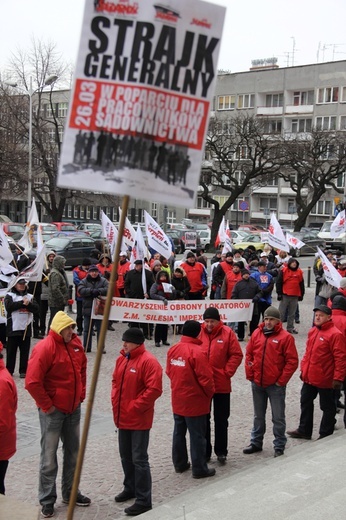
{"points": [[49, 81]]}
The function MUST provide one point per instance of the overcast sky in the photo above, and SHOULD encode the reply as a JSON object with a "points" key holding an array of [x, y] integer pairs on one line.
{"points": [[253, 29]]}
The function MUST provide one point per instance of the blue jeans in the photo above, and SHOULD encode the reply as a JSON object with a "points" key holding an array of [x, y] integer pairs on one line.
{"points": [[55, 426], [198, 443], [276, 395], [87, 331], [133, 449]]}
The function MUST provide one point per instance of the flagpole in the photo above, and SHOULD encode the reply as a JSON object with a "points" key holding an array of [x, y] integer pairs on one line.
{"points": [[99, 354]]}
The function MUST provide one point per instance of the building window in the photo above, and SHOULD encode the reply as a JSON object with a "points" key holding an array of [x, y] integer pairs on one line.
{"points": [[154, 210], [95, 213], [343, 95], [272, 126], [202, 204], [323, 207], [246, 101], [268, 203], [48, 110], [226, 103], [62, 109], [328, 152], [82, 212], [340, 181], [301, 125], [303, 98], [69, 211], [326, 123], [343, 123], [275, 100], [272, 180], [170, 217], [242, 152], [75, 211], [328, 95], [88, 212], [51, 135]]}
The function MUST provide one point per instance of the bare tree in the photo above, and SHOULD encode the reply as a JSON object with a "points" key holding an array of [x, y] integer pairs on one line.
{"points": [[310, 166], [239, 156]]}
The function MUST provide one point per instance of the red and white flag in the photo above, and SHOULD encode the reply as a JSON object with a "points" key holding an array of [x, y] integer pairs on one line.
{"points": [[157, 238], [294, 241], [26, 241], [221, 234], [331, 275], [339, 225], [276, 237], [109, 231], [129, 234], [139, 252]]}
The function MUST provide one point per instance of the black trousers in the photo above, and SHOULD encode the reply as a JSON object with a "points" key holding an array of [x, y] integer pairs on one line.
{"points": [[327, 404], [13, 343], [3, 469], [221, 407]]}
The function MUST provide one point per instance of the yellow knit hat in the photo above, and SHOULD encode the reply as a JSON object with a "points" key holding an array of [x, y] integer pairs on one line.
{"points": [[60, 321]]}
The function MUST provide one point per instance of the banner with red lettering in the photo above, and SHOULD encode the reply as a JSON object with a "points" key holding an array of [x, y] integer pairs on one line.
{"points": [[176, 312], [141, 98]]}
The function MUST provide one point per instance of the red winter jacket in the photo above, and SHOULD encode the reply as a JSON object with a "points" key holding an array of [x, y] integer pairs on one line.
{"points": [[56, 374], [271, 358], [325, 356], [191, 376], [136, 384], [224, 354], [196, 275], [339, 320], [123, 268], [8, 407]]}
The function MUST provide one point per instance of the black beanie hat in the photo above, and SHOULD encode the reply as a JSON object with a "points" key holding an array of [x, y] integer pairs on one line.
{"points": [[339, 302], [133, 335], [211, 314], [191, 328]]}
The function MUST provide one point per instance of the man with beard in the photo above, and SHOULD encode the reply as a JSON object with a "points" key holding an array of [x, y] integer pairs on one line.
{"points": [[197, 276]]}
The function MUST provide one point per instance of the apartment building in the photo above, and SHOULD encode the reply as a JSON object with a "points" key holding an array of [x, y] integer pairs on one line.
{"points": [[291, 101]]}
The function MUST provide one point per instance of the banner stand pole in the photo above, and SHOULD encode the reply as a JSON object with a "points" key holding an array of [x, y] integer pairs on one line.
{"points": [[99, 354]]}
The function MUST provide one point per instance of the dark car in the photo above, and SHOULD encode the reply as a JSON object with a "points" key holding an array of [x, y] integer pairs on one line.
{"points": [[177, 242], [311, 242], [74, 249]]}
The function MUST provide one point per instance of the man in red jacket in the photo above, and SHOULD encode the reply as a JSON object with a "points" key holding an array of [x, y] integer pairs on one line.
{"points": [[323, 369], [56, 379], [271, 360], [136, 384], [8, 408], [197, 276], [290, 289], [192, 386], [225, 355]]}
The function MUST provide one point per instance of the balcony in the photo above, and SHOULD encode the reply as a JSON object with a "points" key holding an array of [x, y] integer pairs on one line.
{"points": [[299, 109], [270, 111]]}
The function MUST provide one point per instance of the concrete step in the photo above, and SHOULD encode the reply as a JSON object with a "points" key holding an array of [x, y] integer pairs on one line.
{"points": [[308, 482]]}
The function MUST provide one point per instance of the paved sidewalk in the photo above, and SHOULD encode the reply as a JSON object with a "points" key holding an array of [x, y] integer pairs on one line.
{"points": [[102, 474]]}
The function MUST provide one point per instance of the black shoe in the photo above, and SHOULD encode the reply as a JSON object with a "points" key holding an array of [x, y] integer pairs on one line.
{"points": [[340, 405], [296, 434], [222, 459], [124, 496], [166, 343], [81, 500], [297, 321], [240, 339], [182, 469], [38, 336], [22, 375], [278, 453], [47, 510], [79, 332], [251, 449], [136, 509], [210, 473], [157, 345], [110, 327]]}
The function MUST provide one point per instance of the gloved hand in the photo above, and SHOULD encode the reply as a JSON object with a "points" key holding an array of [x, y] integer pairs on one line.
{"points": [[300, 299], [95, 293], [337, 385], [165, 302], [279, 297]]}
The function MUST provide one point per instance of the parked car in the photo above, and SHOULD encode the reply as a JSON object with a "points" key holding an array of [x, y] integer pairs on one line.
{"points": [[73, 248], [190, 238], [251, 240], [89, 227], [257, 228], [13, 229], [65, 226], [205, 236], [177, 241], [239, 236], [311, 242]]}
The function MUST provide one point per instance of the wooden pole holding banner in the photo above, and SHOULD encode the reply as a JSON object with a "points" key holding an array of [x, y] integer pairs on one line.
{"points": [[99, 355]]}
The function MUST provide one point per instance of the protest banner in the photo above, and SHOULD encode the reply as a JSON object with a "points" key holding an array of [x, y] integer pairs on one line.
{"points": [[176, 312], [141, 98]]}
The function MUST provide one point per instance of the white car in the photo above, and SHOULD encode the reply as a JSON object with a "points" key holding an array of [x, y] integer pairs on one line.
{"points": [[205, 235]]}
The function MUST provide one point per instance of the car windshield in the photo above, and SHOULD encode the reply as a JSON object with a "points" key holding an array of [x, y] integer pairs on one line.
{"points": [[58, 243], [326, 227]]}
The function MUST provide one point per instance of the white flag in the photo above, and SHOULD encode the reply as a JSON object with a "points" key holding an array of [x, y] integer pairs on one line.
{"points": [[157, 238], [330, 273], [33, 273], [139, 252], [221, 234], [109, 231], [26, 241], [129, 234], [6, 255], [338, 226], [294, 241], [276, 237]]}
